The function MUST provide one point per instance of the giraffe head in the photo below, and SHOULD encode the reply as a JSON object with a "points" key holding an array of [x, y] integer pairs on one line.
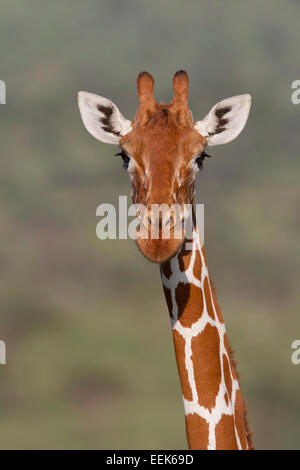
{"points": [[163, 149]]}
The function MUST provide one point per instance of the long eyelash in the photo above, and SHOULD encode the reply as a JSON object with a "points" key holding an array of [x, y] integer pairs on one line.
{"points": [[125, 158], [200, 159], [205, 155], [121, 154]]}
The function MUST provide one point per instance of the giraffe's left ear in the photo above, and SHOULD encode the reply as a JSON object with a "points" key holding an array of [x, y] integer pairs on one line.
{"points": [[225, 120], [102, 118]]}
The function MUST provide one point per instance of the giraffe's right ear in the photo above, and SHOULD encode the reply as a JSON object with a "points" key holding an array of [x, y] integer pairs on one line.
{"points": [[102, 118], [225, 120]]}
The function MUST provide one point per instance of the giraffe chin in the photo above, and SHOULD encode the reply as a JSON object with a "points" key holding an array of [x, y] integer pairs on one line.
{"points": [[159, 251]]}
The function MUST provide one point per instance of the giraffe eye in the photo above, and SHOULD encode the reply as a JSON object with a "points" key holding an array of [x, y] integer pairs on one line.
{"points": [[124, 157], [199, 162]]}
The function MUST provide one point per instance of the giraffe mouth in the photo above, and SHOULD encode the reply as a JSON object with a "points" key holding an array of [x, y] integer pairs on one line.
{"points": [[160, 250]]}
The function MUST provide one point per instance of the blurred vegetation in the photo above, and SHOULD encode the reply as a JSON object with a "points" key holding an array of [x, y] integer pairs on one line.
{"points": [[90, 360]]}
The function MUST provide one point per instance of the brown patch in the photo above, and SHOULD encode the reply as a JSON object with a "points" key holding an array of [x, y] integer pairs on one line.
{"points": [[227, 375], [197, 266], [182, 293], [189, 299], [209, 305], [207, 367], [218, 130], [168, 297], [197, 430], [184, 258], [221, 111], [226, 398], [221, 122], [179, 344], [107, 126], [225, 434], [166, 269]]}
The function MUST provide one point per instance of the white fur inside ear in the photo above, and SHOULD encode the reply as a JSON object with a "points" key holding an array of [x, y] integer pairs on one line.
{"points": [[225, 120], [102, 118]]}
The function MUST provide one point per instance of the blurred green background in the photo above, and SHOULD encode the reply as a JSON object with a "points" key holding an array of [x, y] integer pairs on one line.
{"points": [[90, 360]]}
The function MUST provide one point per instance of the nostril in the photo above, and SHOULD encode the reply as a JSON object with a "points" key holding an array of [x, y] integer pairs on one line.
{"points": [[159, 221]]}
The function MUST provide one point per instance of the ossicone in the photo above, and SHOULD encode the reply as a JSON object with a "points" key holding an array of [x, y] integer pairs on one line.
{"points": [[181, 89], [145, 84]]}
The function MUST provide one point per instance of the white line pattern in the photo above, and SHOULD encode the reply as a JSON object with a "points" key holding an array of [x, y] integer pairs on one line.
{"points": [[213, 416]]}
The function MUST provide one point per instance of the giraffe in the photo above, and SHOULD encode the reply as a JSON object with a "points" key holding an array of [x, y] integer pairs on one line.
{"points": [[162, 149]]}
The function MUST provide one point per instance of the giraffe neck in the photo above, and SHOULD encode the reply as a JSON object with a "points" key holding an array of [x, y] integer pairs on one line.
{"points": [[214, 409]]}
